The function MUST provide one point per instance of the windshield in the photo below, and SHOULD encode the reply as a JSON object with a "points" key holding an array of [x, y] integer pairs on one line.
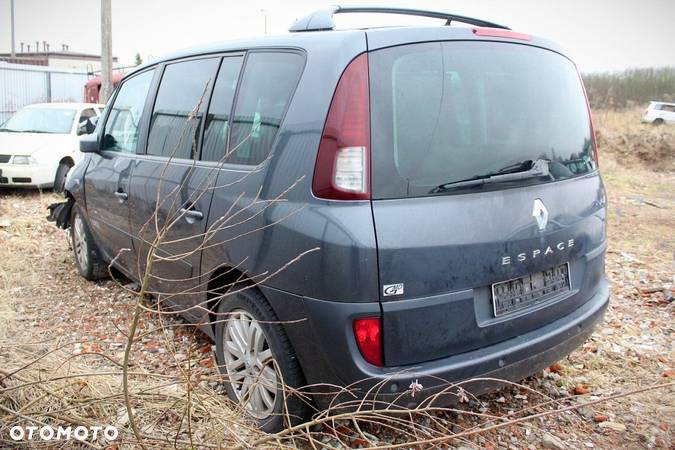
{"points": [[41, 120], [446, 112]]}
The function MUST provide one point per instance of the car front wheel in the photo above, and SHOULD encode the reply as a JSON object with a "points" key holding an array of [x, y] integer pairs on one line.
{"points": [[87, 256]]}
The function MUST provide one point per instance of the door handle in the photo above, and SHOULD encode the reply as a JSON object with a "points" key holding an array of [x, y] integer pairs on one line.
{"points": [[191, 215], [121, 196]]}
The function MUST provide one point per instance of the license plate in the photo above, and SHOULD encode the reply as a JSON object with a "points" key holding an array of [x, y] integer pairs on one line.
{"points": [[519, 293]]}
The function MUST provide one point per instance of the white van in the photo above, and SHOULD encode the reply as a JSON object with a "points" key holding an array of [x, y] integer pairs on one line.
{"points": [[659, 113]]}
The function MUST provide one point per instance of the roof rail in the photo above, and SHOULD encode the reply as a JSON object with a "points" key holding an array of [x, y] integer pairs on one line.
{"points": [[322, 19]]}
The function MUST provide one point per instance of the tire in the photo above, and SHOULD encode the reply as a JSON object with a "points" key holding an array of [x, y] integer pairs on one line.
{"points": [[88, 258], [60, 178], [658, 122], [250, 307]]}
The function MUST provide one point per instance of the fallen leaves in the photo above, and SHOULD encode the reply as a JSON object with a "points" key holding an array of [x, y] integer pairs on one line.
{"points": [[207, 362], [556, 368], [581, 390]]}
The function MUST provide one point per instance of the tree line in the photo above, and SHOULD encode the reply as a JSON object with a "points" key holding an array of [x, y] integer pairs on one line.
{"points": [[631, 87]]}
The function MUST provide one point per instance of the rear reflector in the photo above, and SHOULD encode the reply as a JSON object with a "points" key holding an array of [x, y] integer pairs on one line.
{"points": [[499, 32], [342, 164], [368, 333]]}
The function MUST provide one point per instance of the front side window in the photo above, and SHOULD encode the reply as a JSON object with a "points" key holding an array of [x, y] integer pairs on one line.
{"points": [[41, 120], [267, 86], [121, 128], [446, 116], [179, 108], [217, 124]]}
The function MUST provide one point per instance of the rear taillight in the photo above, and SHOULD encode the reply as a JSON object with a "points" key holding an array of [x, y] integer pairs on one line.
{"points": [[368, 334], [343, 163], [590, 121]]}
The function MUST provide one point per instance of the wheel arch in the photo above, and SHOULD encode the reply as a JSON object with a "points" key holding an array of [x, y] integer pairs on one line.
{"points": [[67, 159], [221, 280]]}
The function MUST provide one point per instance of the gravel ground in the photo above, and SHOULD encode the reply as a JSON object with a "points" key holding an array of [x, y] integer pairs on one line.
{"points": [[44, 303]]}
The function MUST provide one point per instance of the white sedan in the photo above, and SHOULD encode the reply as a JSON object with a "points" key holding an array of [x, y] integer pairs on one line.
{"points": [[40, 143]]}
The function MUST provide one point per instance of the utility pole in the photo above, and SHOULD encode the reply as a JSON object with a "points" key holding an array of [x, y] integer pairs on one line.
{"points": [[11, 13], [106, 51], [267, 29]]}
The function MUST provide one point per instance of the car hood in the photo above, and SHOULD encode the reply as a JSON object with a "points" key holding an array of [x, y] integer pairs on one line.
{"points": [[29, 143]]}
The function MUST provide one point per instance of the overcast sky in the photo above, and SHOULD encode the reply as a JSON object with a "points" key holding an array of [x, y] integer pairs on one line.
{"points": [[599, 34]]}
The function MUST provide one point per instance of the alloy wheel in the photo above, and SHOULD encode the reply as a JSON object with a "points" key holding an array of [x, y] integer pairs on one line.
{"points": [[249, 364], [80, 241]]}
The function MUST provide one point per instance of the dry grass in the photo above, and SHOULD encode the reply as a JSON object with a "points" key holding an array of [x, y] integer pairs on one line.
{"points": [[621, 134], [61, 340]]}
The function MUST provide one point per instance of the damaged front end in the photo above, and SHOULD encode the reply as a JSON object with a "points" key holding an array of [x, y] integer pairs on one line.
{"points": [[59, 213]]}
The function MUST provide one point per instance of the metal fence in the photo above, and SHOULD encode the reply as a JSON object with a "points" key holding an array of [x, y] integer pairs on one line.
{"points": [[21, 85]]}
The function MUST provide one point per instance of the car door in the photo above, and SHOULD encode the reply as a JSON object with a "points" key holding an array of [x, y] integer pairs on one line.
{"points": [[109, 172], [240, 218], [171, 189]]}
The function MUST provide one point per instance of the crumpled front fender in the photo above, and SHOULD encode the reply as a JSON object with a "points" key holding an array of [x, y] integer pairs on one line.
{"points": [[60, 213]]}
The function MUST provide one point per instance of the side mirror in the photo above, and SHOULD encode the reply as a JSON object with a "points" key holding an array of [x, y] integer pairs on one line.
{"points": [[90, 124], [82, 128], [89, 144]]}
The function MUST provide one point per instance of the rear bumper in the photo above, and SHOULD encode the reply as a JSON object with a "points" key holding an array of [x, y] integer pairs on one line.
{"points": [[328, 354]]}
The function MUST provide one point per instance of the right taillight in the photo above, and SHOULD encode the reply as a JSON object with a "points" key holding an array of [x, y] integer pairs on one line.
{"points": [[342, 164]]}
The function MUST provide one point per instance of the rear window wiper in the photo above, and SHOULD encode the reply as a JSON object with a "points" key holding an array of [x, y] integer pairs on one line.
{"points": [[520, 171]]}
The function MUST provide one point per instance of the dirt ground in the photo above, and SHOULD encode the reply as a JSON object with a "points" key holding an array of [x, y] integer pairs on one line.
{"points": [[46, 306]]}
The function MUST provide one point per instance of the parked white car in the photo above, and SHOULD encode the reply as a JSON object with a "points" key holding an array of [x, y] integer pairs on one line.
{"points": [[659, 113], [40, 143]]}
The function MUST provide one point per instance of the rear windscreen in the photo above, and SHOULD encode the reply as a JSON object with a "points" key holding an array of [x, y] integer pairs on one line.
{"points": [[446, 112]]}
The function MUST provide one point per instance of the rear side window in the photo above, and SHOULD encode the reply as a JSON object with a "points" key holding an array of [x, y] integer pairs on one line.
{"points": [[179, 107], [218, 118], [267, 86], [121, 128], [446, 112]]}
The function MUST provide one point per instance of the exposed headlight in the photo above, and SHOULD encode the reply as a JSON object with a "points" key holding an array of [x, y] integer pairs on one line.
{"points": [[24, 160]]}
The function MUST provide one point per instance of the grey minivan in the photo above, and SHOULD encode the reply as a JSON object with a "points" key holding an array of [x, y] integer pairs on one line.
{"points": [[384, 207]]}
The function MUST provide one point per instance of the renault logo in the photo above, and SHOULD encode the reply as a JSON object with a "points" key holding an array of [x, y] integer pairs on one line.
{"points": [[540, 213]]}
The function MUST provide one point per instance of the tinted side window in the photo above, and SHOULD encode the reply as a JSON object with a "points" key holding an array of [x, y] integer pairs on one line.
{"points": [[218, 117], [268, 83], [121, 128], [178, 111]]}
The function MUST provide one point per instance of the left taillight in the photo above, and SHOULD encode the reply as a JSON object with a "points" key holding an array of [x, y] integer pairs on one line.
{"points": [[368, 334], [342, 164]]}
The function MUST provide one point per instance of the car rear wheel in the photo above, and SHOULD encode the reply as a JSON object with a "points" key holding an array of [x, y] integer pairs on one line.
{"points": [[60, 178], [257, 360], [87, 256]]}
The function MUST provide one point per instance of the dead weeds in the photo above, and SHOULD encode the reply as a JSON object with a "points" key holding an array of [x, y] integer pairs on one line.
{"points": [[62, 338]]}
